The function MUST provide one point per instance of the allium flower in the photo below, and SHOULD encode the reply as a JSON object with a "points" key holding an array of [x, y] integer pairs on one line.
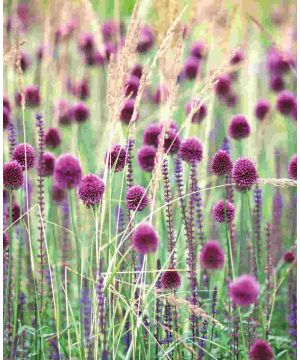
{"points": [[127, 111], [198, 49], [285, 102], [231, 99], [25, 61], [261, 350], [137, 70], [6, 103], [239, 127], [6, 118], [244, 290], [277, 62], [82, 89], [64, 112], [191, 67], [58, 194], [146, 39], [199, 115], [132, 86], [15, 213], [52, 138], [191, 150], [237, 57], [276, 83], [161, 95], [221, 163], [91, 190], [218, 211], [109, 48], [22, 151], [171, 141], [81, 112], [262, 108], [292, 168], [86, 42], [5, 240], [223, 86], [32, 96], [244, 173], [289, 257], [12, 175], [151, 134], [116, 157], [145, 239], [136, 198], [67, 171], [170, 279], [47, 167], [146, 157], [212, 255], [110, 29]]}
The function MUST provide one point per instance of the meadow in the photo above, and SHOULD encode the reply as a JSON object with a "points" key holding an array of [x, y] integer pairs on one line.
{"points": [[149, 179]]}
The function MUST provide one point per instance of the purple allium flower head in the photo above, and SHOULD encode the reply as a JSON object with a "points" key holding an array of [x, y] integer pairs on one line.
{"points": [[12, 175], [221, 163], [145, 239], [244, 290], [47, 167], [25, 61], [151, 134], [212, 255], [82, 89], [289, 257], [261, 350], [116, 157], [64, 112], [127, 111], [137, 70], [292, 168], [223, 85], [136, 198], [58, 194], [171, 141], [80, 112], [15, 213], [18, 99], [40, 53], [146, 39], [262, 108], [110, 49], [52, 138], [6, 118], [146, 157], [276, 83], [110, 29], [161, 95], [91, 190], [231, 100], [6, 103], [191, 150], [94, 58], [237, 57], [285, 102], [277, 62], [244, 173], [86, 42], [132, 86], [5, 240], [197, 49], [239, 127], [22, 151], [67, 171], [218, 211], [170, 279], [199, 115], [191, 68], [32, 96]]}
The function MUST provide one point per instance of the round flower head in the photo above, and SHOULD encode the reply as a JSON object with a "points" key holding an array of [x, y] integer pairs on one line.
{"points": [[132, 86], [171, 142], [212, 256], [277, 62], [146, 39], [221, 163], [198, 49], [276, 83], [110, 30], [261, 350], [161, 95], [145, 239], [239, 127], [231, 100], [64, 112], [58, 194], [47, 167], [15, 213], [237, 57], [82, 89], [289, 257], [52, 138], [136, 198], [25, 61], [151, 134], [191, 67], [67, 171], [12, 175], [292, 169], [6, 118], [5, 240], [191, 150], [6, 103], [170, 279], [218, 211], [86, 42], [244, 290], [81, 112], [244, 173], [91, 190], [116, 157], [146, 157], [262, 108], [199, 115], [285, 102], [137, 70], [32, 96], [109, 48], [127, 111], [223, 85], [21, 152]]}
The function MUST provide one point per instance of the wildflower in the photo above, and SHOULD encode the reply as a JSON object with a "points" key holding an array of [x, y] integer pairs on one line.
{"points": [[221, 163], [170, 279], [292, 167], [146, 39], [64, 112], [145, 239], [86, 42], [32, 96], [58, 194], [219, 212], [212, 255], [80, 112], [136, 198], [191, 68], [91, 190], [276, 83], [67, 171], [23, 151], [244, 290], [239, 127], [127, 111], [261, 350], [52, 138], [146, 157], [244, 173], [191, 150], [223, 85], [237, 57], [116, 157], [5, 240], [200, 113], [262, 108], [47, 167], [6, 118], [137, 71], [289, 257], [12, 175], [198, 49], [285, 102], [82, 89]]}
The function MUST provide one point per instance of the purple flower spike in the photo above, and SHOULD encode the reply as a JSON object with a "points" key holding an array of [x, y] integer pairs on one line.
{"points": [[239, 127], [261, 350], [145, 239], [244, 290], [244, 173], [23, 151], [146, 157], [12, 175], [191, 150], [136, 198], [170, 279], [221, 163], [292, 168], [67, 171], [219, 211], [212, 256], [91, 189], [262, 108]]}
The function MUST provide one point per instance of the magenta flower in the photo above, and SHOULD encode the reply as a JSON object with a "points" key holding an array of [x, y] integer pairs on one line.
{"points": [[32, 96], [191, 150], [146, 157], [47, 167], [116, 157], [239, 127], [244, 173], [91, 189], [289, 257], [5, 240], [58, 194], [199, 115], [80, 112], [170, 279], [12, 175], [82, 89], [276, 83], [137, 70], [212, 255], [244, 290], [218, 211], [171, 141], [161, 95], [292, 168], [127, 111], [136, 198], [151, 134], [22, 151], [67, 171], [237, 57], [64, 112], [86, 42], [146, 39], [261, 350], [197, 49], [191, 68], [262, 108], [6, 118], [145, 239], [285, 102], [223, 85], [221, 163], [52, 138], [132, 86]]}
